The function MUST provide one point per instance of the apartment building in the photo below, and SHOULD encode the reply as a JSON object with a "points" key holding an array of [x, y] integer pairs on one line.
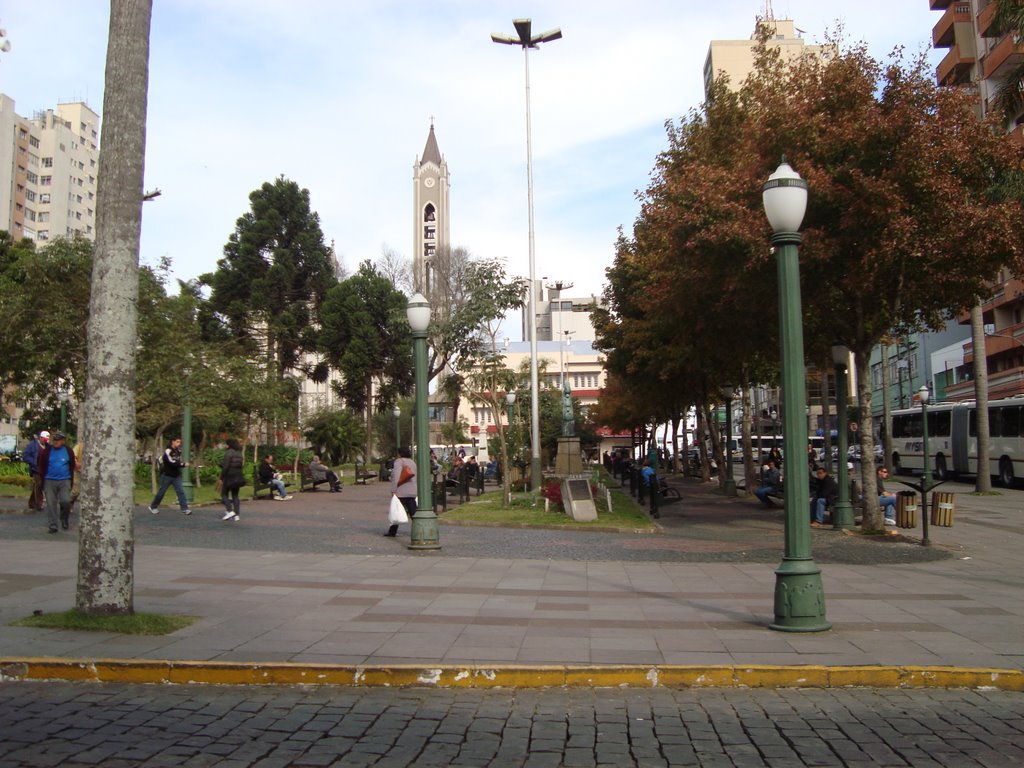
{"points": [[48, 170], [980, 58]]}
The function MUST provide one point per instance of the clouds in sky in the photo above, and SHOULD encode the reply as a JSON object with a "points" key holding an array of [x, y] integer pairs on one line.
{"points": [[338, 96]]}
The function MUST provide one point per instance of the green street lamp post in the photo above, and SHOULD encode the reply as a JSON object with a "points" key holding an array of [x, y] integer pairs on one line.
{"points": [[842, 515], [62, 395], [424, 523], [397, 413], [926, 478], [729, 391], [186, 453], [525, 38], [799, 595]]}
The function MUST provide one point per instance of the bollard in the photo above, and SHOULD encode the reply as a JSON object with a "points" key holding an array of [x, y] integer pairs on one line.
{"points": [[943, 507], [906, 509]]}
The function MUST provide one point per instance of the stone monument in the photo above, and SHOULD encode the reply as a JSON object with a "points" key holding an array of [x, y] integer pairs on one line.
{"points": [[568, 460]]}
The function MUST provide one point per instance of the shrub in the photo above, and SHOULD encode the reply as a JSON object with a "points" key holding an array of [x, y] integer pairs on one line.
{"points": [[13, 469], [552, 491]]}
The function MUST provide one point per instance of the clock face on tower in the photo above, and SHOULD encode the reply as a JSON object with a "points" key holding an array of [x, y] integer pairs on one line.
{"points": [[428, 182]]}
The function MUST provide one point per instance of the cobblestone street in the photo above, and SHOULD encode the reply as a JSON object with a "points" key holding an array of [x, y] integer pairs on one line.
{"points": [[120, 725]]}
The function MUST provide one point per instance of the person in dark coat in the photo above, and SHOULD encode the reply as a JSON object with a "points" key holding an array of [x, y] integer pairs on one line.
{"points": [[826, 493], [31, 457], [232, 478]]}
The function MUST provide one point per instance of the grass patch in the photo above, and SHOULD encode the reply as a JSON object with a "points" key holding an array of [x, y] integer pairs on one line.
{"points": [[133, 624], [985, 493], [487, 509]]}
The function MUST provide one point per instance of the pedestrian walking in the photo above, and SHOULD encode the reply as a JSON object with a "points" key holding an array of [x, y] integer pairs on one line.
{"points": [[403, 485], [31, 457], [232, 479], [171, 465], [56, 464]]}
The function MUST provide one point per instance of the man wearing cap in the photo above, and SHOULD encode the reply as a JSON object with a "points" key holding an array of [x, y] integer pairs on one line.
{"points": [[56, 465], [31, 457]]}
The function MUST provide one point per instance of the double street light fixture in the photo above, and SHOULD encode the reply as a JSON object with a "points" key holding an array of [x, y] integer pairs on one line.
{"points": [[799, 595], [525, 38], [424, 523]]}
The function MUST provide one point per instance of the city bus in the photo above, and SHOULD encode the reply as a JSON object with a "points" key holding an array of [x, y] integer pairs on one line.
{"points": [[953, 439]]}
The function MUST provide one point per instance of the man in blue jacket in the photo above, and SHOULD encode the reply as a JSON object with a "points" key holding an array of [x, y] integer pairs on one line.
{"points": [[31, 457], [56, 466]]}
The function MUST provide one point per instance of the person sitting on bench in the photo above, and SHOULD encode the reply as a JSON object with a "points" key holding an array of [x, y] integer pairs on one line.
{"points": [[826, 493], [271, 477], [322, 474], [771, 483]]}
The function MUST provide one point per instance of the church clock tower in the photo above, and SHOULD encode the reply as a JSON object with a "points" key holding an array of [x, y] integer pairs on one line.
{"points": [[430, 212]]}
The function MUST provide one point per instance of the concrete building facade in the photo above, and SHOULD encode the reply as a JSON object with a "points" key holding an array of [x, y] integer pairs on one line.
{"points": [[48, 169], [735, 58]]}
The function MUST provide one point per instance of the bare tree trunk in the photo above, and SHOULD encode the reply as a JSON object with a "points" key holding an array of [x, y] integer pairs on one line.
{"points": [[886, 413], [369, 425], [749, 473], [983, 480], [871, 516], [106, 549]]}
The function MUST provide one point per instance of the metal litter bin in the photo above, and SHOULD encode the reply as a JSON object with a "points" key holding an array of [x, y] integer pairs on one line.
{"points": [[943, 507], [906, 509]]}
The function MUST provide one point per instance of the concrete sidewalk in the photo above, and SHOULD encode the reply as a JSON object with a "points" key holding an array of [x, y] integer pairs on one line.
{"points": [[392, 616]]}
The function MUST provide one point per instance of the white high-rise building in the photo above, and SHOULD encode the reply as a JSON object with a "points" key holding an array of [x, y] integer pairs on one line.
{"points": [[48, 169]]}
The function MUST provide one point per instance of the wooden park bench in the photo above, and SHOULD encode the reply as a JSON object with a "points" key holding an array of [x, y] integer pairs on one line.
{"points": [[259, 487], [362, 474], [306, 481]]}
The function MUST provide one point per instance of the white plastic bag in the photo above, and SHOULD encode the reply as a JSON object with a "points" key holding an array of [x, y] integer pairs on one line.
{"points": [[396, 513]]}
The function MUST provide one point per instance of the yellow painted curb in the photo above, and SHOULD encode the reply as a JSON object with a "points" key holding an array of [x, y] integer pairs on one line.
{"points": [[507, 676]]}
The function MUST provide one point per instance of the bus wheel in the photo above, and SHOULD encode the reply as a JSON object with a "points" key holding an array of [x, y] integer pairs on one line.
{"points": [[897, 468], [940, 468], [1005, 472]]}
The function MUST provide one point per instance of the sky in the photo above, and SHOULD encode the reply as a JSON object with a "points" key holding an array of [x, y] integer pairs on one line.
{"points": [[338, 96]]}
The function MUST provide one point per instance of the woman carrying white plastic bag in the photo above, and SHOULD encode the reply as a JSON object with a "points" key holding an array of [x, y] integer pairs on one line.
{"points": [[403, 490]]}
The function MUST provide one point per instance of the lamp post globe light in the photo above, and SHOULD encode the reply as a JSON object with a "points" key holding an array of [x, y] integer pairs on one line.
{"points": [[728, 391], [424, 532], [506, 477], [799, 595], [926, 477], [842, 515], [525, 38]]}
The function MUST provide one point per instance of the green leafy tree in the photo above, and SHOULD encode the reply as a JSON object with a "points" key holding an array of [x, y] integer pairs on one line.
{"points": [[337, 435], [365, 335], [273, 277], [44, 306]]}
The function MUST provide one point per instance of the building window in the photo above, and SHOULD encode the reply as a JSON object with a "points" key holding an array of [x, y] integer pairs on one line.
{"points": [[32, 178], [47, 162], [44, 197], [30, 195], [33, 142], [46, 180]]}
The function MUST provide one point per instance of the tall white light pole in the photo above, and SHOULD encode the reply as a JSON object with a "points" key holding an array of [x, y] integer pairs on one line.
{"points": [[525, 39]]}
